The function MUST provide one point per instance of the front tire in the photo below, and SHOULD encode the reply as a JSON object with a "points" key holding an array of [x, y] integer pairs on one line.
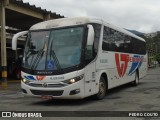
{"points": [[102, 89]]}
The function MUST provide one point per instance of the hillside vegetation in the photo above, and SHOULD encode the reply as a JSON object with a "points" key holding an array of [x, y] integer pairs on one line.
{"points": [[153, 45]]}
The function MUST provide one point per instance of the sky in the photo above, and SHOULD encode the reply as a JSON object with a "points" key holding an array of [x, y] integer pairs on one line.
{"points": [[140, 15]]}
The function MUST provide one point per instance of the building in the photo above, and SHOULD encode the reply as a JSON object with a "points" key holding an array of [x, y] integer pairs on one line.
{"points": [[15, 16]]}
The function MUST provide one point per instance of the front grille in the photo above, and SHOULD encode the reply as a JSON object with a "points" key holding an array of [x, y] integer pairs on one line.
{"points": [[56, 85], [35, 84], [49, 85], [53, 93]]}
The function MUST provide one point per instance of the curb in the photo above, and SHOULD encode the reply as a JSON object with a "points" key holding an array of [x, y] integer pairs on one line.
{"points": [[12, 81]]}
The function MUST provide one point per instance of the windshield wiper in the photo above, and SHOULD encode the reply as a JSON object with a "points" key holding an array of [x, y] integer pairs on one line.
{"points": [[37, 59], [53, 55]]}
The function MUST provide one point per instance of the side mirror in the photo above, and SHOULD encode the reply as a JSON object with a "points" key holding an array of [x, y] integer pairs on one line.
{"points": [[90, 38], [15, 38]]}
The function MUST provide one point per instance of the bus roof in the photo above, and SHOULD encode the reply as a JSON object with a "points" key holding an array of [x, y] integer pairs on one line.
{"points": [[62, 22]]}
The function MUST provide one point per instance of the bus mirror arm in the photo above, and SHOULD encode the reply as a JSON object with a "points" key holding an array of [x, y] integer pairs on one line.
{"points": [[15, 38], [90, 37]]}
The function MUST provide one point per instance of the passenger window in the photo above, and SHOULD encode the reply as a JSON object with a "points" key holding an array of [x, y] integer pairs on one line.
{"points": [[108, 39], [127, 44], [113, 40], [119, 42]]}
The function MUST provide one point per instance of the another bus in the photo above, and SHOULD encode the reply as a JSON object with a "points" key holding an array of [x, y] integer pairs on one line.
{"points": [[73, 58]]}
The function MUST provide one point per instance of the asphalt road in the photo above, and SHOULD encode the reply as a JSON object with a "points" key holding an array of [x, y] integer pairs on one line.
{"points": [[144, 97]]}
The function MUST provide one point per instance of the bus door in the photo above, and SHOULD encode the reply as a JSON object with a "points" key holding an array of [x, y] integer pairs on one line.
{"points": [[90, 79]]}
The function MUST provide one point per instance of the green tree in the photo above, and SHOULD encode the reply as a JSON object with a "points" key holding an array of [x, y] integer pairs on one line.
{"points": [[158, 58]]}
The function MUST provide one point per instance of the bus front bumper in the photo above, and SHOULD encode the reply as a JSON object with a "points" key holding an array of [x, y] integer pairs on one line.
{"points": [[72, 91]]}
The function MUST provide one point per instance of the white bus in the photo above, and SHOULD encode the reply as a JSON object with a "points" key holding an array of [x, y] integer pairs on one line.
{"points": [[73, 58]]}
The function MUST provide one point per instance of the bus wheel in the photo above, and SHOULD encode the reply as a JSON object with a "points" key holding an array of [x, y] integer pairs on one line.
{"points": [[102, 89], [136, 81]]}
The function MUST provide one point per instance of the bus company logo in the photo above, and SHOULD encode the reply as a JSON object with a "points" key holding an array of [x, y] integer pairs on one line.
{"points": [[40, 77], [121, 63], [136, 63]]}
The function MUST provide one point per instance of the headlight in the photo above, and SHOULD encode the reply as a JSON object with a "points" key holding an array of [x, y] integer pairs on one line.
{"points": [[25, 81], [73, 80]]}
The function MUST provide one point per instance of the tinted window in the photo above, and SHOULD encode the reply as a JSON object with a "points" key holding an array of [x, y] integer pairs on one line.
{"points": [[119, 42], [113, 40], [138, 47], [127, 44]]}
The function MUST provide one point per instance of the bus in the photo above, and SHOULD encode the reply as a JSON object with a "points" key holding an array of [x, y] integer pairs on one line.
{"points": [[73, 58]]}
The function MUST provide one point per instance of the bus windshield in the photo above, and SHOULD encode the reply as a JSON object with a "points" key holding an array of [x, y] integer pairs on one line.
{"points": [[53, 49]]}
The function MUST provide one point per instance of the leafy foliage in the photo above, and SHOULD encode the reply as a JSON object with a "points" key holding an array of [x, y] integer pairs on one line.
{"points": [[153, 43], [158, 58]]}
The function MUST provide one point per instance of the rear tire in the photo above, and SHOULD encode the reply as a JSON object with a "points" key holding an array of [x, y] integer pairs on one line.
{"points": [[102, 89], [136, 81]]}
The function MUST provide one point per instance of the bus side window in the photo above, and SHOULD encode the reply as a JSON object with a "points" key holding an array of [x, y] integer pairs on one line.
{"points": [[108, 39], [127, 44], [89, 52]]}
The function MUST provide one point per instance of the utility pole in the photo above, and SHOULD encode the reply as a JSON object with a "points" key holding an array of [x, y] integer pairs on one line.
{"points": [[3, 3]]}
